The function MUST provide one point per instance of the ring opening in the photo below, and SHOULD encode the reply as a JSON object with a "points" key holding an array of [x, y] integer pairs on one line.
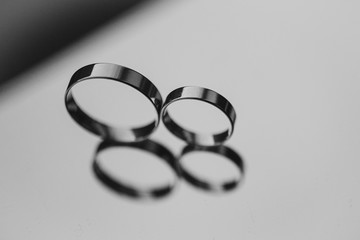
{"points": [[114, 103], [198, 116]]}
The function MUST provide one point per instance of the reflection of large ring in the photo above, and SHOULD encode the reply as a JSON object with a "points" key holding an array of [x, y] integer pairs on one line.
{"points": [[120, 74], [221, 150], [202, 94], [133, 191]]}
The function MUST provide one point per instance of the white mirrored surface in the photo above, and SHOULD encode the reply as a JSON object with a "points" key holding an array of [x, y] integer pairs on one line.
{"points": [[290, 69]]}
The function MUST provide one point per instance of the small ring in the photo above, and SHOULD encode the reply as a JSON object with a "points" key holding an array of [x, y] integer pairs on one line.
{"points": [[220, 150], [109, 71], [205, 95], [132, 191]]}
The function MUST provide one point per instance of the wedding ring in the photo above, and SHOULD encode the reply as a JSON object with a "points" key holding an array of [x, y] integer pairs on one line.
{"points": [[125, 188], [203, 184], [113, 72], [205, 95]]}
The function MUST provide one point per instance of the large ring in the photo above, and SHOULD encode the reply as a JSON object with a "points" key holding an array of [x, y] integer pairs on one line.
{"points": [[206, 95], [124, 188], [108, 71], [203, 184]]}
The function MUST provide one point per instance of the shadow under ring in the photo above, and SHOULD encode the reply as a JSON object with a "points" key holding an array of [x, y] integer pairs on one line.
{"points": [[132, 191], [113, 72], [222, 150]]}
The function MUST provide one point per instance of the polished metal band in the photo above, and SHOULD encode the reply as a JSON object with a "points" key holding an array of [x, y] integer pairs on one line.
{"points": [[109, 71], [213, 187], [133, 191], [202, 94]]}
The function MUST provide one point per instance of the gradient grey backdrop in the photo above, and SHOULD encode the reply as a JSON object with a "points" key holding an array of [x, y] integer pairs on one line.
{"points": [[290, 68]]}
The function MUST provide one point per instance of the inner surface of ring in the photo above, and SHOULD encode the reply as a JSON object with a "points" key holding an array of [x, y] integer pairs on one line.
{"points": [[120, 111], [197, 121]]}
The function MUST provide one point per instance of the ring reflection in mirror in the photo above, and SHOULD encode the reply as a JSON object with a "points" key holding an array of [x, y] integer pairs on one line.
{"points": [[122, 185], [195, 179]]}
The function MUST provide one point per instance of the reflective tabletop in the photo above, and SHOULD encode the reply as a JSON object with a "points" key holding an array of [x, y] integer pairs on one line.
{"points": [[291, 72]]}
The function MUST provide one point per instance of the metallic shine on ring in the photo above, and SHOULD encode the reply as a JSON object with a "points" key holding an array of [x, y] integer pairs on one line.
{"points": [[109, 71], [206, 95]]}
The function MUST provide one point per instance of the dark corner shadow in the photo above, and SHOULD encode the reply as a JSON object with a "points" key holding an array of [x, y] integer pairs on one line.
{"points": [[33, 30], [127, 190]]}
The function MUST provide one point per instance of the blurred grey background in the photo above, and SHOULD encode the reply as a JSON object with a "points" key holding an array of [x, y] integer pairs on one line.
{"points": [[33, 30], [290, 68]]}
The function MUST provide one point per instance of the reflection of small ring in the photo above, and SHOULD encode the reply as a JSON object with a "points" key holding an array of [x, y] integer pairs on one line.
{"points": [[120, 187], [120, 74], [202, 94], [221, 150]]}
